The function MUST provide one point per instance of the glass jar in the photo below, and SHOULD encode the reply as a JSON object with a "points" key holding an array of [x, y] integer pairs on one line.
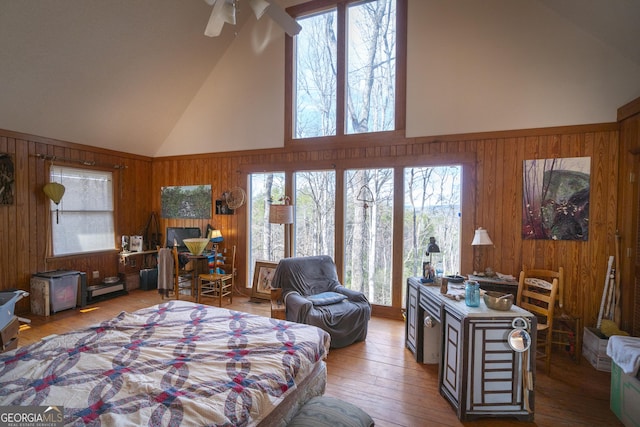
{"points": [[472, 293]]}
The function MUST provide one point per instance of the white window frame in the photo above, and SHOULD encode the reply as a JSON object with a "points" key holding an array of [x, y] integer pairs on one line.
{"points": [[84, 220]]}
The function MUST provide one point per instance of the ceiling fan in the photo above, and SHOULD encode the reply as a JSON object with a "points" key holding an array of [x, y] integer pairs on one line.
{"points": [[225, 11]]}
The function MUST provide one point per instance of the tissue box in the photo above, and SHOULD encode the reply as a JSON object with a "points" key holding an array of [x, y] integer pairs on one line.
{"points": [[594, 349]]}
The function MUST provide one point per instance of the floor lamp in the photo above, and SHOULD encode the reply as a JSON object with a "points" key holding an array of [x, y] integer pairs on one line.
{"points": [[283, 214]]}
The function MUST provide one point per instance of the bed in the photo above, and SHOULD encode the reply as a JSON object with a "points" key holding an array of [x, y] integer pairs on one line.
{"points": [[176, 363]]}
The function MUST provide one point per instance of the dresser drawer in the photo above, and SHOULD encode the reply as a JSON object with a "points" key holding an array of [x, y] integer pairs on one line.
{"points": [[9, 335]]}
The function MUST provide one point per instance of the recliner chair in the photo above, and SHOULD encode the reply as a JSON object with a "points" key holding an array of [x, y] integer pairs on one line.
{"points": [[313, 295]]}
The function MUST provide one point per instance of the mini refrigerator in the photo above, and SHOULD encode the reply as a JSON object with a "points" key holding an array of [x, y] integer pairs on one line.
{"points": [[53, 291]]}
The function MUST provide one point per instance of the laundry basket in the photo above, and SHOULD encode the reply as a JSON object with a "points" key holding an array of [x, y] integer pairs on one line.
{"points": [[8, 301]]}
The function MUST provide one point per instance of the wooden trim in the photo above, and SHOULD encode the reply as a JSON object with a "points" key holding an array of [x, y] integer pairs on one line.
{"points": [[517, 133], [629, 109], [25, 137], [401, 64]]}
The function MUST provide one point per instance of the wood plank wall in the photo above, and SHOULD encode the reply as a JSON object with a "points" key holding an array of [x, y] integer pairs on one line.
{"points": [[496, 189], [629, 209], [498, 194], [25, 224]]}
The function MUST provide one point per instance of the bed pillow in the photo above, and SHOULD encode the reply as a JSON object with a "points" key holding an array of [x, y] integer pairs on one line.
{"points": [[326, 298]]}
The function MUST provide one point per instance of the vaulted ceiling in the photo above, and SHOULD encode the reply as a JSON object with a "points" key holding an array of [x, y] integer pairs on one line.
{"points": [[119, 74]]}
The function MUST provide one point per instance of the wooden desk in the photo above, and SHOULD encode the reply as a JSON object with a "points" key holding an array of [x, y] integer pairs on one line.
{"points": [[200, 266], [478, 373], [496, 284], [132, 262]]}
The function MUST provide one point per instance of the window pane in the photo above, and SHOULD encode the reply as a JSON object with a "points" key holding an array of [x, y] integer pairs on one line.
{"points": [[82, 232], [86, 211], [371, 67], [266, 239], [368, 233], [315, 74], [432, 203], [315, 213]]}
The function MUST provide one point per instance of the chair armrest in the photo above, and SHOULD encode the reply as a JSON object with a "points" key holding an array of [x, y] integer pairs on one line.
{"points": [[297, 307], [351, 294]]}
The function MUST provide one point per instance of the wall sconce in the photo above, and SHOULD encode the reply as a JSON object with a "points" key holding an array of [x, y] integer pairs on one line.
{"points": [[54, 191], [480, 238], [283, 214]]}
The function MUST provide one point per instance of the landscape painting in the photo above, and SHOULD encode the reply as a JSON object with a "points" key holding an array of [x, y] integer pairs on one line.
{"points": [[188, 202]]}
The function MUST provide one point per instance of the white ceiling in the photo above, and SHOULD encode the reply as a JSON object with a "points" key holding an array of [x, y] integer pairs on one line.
{"points": [[119, 74]]}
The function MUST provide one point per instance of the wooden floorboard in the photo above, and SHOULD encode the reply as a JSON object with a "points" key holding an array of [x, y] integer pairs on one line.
{"points": [[381, 376]]}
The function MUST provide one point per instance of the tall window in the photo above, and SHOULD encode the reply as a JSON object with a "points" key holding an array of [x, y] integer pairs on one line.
{"points": [[432, 205], [266, 239], [86, 221], [361, 53], [315, 201], [368, 233]]}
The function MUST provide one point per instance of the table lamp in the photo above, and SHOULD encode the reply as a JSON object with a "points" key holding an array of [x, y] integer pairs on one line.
{"points": [[480, 238]]}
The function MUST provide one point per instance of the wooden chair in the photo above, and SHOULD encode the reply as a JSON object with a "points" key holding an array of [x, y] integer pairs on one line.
{"points": [[216, 285], [182, 277], [537, 293]]}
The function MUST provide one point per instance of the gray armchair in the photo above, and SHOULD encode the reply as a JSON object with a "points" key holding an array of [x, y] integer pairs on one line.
{"points": [[313, 295]]}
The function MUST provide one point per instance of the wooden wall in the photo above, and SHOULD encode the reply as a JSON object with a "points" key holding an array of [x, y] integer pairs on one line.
{"points": [[497, 194], [25, 224], [495, 191]]}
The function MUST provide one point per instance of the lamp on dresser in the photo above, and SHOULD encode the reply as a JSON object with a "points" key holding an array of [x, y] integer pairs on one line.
{"points": [[480, 238]]}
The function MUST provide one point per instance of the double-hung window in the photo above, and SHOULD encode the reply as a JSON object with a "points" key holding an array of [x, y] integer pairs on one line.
{"points": [[343, 69], [86, 219]]}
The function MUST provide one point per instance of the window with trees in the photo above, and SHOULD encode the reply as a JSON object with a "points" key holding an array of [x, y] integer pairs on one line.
{"points": [[266, 239], [364, 203], [345, 69], [432, 206], [315, 213], [368, 232], [86, 223]]}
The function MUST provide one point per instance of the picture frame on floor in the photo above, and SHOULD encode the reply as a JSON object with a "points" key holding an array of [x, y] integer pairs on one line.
{"points": [[262, 277]]}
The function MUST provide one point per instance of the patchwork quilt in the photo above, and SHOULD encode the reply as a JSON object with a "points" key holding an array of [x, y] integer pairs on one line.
{"points": [[176, 363]]}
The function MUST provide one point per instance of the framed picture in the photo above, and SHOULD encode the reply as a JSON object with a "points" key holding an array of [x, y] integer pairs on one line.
{"points": [[136, 243], [262, 277]]}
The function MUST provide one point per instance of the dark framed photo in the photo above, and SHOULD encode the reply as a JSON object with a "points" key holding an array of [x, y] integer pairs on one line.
{"points": [[262, 277]]}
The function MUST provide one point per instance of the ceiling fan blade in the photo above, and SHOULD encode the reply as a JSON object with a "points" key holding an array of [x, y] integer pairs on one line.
{"points": [[222, 12], [259, 7], [282, 18]]}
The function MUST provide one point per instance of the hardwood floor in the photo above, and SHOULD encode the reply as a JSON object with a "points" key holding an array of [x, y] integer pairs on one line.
{"points": [[381, 376]]}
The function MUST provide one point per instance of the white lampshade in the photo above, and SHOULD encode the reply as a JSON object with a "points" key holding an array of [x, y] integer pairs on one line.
{"points": [[281, 214], [481, 237]]}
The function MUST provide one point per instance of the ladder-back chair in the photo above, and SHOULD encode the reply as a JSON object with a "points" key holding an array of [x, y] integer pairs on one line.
{"points": [[218, 285], [537, 293]]}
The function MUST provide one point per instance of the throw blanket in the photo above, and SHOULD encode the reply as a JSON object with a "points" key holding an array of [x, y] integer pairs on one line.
{"points": [[165, 271], [176, 363], [625, 352]]}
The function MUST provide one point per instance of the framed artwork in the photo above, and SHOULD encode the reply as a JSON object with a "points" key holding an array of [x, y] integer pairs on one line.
{"points": [[555, 198], [6, 179], [186, 202], [262, 277], [136, 243]]}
